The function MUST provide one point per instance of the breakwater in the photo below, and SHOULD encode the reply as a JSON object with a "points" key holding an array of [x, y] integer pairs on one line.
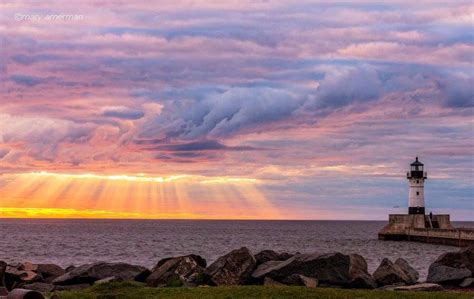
{"points": [[423, 228]]}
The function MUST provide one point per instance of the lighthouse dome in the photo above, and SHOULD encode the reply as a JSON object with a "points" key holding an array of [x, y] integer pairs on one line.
{"points": [[416, 170], [416, 163]]}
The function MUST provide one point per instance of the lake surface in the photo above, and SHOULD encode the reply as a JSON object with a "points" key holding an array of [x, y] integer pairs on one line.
{"points": [[144, 242]]}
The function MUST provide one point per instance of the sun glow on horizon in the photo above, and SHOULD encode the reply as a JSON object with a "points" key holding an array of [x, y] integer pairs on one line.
{"points": [[60, 195]]}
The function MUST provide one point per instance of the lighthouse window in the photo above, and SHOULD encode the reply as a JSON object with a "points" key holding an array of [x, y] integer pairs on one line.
{"points": [[417, 181], [417, 193]]}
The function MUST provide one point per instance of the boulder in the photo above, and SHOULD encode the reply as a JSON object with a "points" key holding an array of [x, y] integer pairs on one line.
{"points": [[329, 269], [467, 283], [359, 276], [451, 268], [233, 268], [409, 271], [27, 266], [49, 271], [446, 275], [3, 268], [300, 280], [362, 281], [175, 271], [427, 287], [388, 273], [88, 274], [270, 255], [41, 287], [463, 258], [16, 275]]}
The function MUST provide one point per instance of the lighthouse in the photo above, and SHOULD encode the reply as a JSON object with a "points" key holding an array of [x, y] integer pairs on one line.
{"points": [[418, 227], [416, 195]]}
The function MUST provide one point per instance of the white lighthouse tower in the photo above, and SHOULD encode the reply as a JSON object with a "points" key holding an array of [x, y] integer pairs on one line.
{"points": [[416, 196]]}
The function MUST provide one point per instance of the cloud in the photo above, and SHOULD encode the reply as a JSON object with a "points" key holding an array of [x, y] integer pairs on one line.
{"points": [[225, 113], [203, 145], [23, 59], [41, 137], [26, 80], [3, 152], [342, 86], [459, 91], [123, 113]]}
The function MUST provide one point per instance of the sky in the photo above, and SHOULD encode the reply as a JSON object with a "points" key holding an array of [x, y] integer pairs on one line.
{"points": [[234, 109]]}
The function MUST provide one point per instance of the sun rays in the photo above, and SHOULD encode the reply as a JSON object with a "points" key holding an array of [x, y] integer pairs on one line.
{"points": [[59, 195]]}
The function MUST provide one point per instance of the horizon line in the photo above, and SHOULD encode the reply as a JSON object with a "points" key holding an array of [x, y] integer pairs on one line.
{"points": [[197, 219]]}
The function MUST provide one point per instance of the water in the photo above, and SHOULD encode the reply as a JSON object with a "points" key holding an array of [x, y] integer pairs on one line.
{"points": [[144, 242]]}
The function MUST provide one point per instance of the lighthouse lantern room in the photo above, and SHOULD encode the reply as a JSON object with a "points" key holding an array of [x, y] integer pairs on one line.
{"points": [[416, 197]]}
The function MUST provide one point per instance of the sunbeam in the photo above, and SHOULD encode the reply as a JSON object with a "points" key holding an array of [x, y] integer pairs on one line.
{"points": [[59, 195]]}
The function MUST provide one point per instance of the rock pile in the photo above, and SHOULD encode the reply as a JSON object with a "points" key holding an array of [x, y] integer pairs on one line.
{"points": [[241, 267]]}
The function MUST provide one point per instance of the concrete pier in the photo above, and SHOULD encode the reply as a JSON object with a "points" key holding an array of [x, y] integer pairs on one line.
{"points": [[422, 228]]}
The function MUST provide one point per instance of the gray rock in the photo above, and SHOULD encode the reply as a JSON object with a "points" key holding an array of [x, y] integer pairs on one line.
{"points": [[362, 281], [410, 272], [41, 287], [49, 271], [467, 283], [271, 282], [27, 266], [442, 274], [88, 274], [175, 271], [18, 274], [389, 273], [266, 268], [359, 276], [270, 255], [233, 268], [452, 268], [331, 268], [300, 280], [420, 287], [463, 258]]}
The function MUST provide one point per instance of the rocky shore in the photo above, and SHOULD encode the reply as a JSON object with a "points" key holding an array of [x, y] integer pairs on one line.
{"points": [[452, 270]]}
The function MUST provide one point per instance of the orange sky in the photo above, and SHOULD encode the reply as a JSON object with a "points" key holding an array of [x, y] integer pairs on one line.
{"points": [[53, 195]]}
